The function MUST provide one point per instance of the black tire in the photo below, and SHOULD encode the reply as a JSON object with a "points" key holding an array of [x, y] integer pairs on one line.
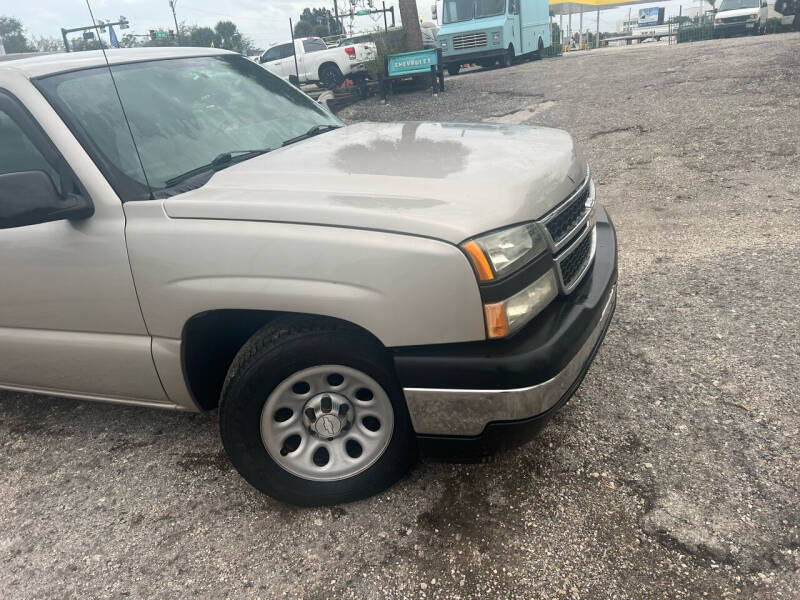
{"points": [[276, 352], [453, 69], [330, 76], [539, 54], [508, 58]]}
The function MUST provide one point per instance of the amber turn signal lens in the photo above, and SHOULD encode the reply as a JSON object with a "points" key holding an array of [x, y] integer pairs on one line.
{"points": [[479, 261], [496, 320]]}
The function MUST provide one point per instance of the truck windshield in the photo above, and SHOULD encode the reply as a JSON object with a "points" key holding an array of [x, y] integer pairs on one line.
{"points": [[737, 4], [183, 113], [464, 10]]}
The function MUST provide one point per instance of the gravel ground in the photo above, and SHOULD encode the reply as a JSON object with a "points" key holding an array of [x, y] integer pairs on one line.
{"points": [[673, 473]]}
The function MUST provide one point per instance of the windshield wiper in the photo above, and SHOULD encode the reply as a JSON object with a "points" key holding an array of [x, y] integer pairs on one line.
{"points": [[221, 161], [315, 130]]}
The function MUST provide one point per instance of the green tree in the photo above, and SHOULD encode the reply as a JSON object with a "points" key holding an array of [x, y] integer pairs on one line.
{"points": [[202, 37], [303, 29], [13, 35], [79, 44], [229, 37], [45, 44], [130, 41], [320, 19]]}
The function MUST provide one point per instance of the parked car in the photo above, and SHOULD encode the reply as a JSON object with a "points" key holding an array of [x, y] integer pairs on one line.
{"points": [[789, 11], [316, 63], [344, 296], [489, 32], [740, 17]]}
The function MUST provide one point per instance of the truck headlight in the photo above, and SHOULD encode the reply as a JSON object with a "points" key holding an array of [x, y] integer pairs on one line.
{"points": [[444, 43], [500, 253], [506, 317], [496, 36]]}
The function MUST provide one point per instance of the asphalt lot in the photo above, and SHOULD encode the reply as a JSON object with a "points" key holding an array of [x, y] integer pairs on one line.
{"points": [[673, 473]]}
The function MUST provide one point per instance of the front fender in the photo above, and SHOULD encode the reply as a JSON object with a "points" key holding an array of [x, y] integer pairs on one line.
{"points": [[403, 289]]}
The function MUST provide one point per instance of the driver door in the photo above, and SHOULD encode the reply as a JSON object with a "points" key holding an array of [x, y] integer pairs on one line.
{"points": [[70, 323], [279, 60], [515, 27]]}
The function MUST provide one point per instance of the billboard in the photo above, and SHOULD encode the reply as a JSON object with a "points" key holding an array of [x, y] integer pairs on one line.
{"points": [[653, 15]]}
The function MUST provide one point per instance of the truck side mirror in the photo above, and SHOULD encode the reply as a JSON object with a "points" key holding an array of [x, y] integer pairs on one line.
{"points": [[29, 198]]}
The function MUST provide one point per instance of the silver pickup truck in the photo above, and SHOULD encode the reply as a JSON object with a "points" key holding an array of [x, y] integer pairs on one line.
{"points": [[182, 229]]}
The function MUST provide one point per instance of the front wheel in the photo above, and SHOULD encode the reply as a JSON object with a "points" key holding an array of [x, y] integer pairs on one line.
{"points": [[312, 414], [453, 69], [508, 58]]}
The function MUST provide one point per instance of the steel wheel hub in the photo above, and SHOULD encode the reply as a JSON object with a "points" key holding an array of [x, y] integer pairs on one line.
{"points": [[327, 422], [327, 415]]}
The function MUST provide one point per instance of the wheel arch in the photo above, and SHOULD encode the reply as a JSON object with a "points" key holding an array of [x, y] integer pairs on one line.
{"points": [[211, 339], [328, 63]]}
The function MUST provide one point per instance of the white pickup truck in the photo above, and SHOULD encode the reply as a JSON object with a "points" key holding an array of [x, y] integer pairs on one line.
{"points": [[316, 63], [196, 234]]}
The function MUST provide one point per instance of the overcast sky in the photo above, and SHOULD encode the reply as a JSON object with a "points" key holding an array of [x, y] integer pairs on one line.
{"points": [[264, 21]]}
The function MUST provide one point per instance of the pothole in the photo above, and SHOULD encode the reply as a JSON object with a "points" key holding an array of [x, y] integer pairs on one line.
{"points": [[519, 117]]}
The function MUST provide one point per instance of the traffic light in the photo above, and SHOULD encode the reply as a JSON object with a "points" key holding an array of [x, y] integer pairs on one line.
{"points": [[162, 35]]}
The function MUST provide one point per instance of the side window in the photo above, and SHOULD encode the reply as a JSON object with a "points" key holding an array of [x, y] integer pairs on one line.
{"points": [[513, 7], [273, 53], [285, 50], [314, 45], [18, 153]]}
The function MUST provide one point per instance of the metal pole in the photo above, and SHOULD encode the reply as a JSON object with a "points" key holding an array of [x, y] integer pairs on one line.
{"points": [[294, 53], [597, 33], [385, 21], [64, 37], [391, 8], [569, 26], [580, 29], [174, 18]]}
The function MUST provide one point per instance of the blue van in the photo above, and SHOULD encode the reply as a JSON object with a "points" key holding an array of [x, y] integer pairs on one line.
{"points": [[491, 31]]}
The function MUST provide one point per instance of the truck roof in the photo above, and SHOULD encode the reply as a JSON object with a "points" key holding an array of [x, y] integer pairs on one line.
{"points": [[36, 65]]}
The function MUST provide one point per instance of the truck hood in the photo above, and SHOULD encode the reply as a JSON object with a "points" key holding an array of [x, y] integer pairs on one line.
{"points": [[446, 181], [739, 12]]}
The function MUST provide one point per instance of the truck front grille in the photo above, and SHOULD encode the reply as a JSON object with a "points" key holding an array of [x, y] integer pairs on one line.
{"points": [[569, 215], [469, 40], [576, 260], [741, 19], [571, 235]]}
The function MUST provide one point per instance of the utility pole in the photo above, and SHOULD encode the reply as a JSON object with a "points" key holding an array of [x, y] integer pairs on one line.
{"points": [[174, 18]]}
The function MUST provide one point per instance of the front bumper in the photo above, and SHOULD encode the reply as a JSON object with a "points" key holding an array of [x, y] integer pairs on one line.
{"points": [[464, 57], [738, 27], [459, 392]]}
